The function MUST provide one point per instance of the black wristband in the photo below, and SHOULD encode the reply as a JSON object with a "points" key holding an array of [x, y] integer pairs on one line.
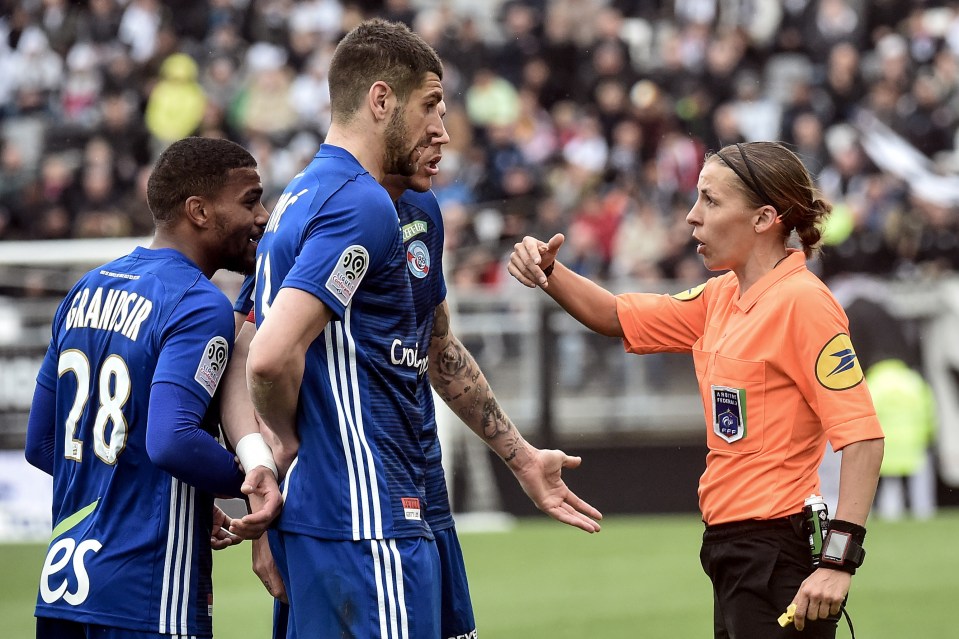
{"points": [[842, 548], [858, 532], [549, 269]]}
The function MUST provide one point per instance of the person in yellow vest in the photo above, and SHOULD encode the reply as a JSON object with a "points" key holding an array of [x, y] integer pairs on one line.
{"points": [[903, 399], [177, 102], [907, 412]]}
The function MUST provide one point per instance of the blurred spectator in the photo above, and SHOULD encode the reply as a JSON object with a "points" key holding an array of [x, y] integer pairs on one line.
{"points": [[491, 100], [60, 22], [521, 41], [101, 25], [829, 22], [175, 107], [82, 86], [843, 83], [140, 26], [37, 74], [264, 106]]}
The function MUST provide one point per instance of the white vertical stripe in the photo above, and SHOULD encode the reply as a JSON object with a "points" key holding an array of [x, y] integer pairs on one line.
{"points": [[188, 558], [388, 583], [341, 419], [400, 592], [170, 540], [374, 484], [378, 578], [289, 478], [354, 415], [178, 561]]}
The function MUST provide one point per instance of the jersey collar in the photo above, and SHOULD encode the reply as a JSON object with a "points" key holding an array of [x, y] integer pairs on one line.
{"points": [[795, 261]]}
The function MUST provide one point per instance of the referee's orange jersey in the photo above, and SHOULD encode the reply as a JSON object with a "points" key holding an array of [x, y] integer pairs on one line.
{"points": [[777, 374]]}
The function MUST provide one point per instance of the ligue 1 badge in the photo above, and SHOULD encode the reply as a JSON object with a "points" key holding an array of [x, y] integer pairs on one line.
{"points": [[418, 259], [729, 423]]}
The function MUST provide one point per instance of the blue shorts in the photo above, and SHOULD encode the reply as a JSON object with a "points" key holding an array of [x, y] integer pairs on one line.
{"points": [[386, 588], [457, 610], [49, 628]]}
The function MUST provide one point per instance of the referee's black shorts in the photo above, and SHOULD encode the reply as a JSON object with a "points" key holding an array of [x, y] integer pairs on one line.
{"points": [[756, 568]]}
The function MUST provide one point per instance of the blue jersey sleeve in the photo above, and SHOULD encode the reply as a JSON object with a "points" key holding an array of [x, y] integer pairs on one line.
{"points": [[41, 429], [177, 444], [357, 232], [196, 343], [244, 300]]}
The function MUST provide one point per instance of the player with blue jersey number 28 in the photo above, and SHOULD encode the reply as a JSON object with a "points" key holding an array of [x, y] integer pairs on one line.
{"points": [[138, 349]]}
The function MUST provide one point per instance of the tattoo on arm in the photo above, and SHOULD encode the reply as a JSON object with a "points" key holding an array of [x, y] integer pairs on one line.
{"points": [[457, 378]]}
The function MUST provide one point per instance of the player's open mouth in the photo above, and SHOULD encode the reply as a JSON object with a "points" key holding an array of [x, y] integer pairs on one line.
{"points": [[431, 166]]}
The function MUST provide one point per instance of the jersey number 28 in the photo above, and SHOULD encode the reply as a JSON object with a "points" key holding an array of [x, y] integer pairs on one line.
{"points": [[113, 391]]}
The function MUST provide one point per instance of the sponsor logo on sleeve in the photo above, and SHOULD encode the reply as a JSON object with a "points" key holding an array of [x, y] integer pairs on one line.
{"points": [[690, 293], [411, 507], [837, 367], [729, 413], [414, 228], [212, 364], [348, 273], [418, 259]]}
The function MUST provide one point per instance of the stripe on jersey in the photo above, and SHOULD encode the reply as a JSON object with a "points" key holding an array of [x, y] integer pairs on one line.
{"points": [[344, 382], [390, 596], [178, 564]]}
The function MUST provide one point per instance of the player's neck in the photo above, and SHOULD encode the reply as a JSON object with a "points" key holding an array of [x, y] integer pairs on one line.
{"points": [[164, 239], [363, 142]]}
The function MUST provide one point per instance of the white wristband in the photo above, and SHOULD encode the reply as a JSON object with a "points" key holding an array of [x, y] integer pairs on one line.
{"points": [[253, 452]]}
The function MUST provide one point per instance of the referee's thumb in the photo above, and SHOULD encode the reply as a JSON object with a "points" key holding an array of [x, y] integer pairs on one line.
{"points": [[555, 242]]}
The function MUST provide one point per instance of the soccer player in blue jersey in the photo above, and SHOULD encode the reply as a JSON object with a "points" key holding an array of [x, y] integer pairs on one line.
{"points": [[333, 367], [458, 380], [138, 349]]}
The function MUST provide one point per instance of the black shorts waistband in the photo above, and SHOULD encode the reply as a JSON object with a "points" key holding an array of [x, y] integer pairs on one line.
{"points": [[731, 530]]}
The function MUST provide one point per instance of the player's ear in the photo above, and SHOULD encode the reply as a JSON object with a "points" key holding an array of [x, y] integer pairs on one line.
{"points": [[197, 210], [381, 100]]}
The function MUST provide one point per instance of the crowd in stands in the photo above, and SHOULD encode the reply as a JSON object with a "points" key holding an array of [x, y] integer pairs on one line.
{"points": [[590, 117]]}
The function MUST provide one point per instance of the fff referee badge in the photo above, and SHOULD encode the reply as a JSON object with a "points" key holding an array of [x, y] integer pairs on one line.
{"points": [[729, 413]]}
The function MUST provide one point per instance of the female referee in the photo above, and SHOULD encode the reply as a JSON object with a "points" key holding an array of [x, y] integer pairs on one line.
{"points": [[778, 377]]}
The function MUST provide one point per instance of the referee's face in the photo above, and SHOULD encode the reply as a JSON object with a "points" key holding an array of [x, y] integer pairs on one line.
{"points": [[721, 220]]}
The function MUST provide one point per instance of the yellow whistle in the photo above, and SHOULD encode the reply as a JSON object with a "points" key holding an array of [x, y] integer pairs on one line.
{"points": [[787, 617]]}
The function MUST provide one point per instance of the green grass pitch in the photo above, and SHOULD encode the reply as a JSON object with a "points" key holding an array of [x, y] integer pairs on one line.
{"points": [[639, 577]]}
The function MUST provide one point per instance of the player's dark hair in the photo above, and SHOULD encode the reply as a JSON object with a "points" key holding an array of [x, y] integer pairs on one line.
{"points": [[378, 50], [188, 167], [769, 173]]}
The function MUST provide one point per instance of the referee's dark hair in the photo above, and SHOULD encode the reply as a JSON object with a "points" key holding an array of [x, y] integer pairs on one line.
{"points": [[188, 167], [378, 50]]}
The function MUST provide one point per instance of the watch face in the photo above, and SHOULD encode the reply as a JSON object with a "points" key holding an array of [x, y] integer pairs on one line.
{"points": [[836, 545]]}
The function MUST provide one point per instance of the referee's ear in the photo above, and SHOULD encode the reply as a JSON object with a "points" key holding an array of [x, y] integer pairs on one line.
{"points": [[765, 217]]}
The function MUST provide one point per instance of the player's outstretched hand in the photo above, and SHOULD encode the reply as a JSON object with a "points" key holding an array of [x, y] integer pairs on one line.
{"points": [[265, 569], [265, 500], [531, 256], [541, 479], [221, 537], [820, 595]]}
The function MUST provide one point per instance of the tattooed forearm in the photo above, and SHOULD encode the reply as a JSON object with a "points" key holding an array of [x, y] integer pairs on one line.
{"points": [[458, 380], [441, 322]]}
